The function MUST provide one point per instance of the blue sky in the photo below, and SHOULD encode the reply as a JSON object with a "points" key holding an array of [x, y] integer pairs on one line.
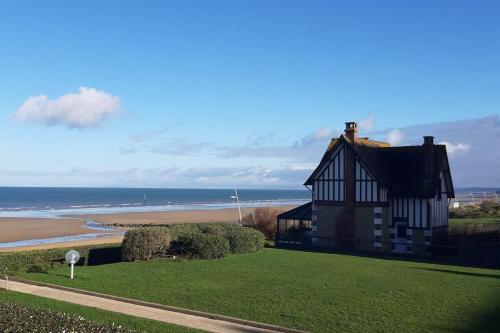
{"points": [[239, 93]]}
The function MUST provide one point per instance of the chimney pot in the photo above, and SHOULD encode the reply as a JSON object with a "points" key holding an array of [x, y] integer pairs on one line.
{"points": [[428, 140], [351, 130]]}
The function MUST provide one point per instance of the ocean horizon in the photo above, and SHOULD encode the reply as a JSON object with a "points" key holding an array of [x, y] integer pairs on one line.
{"points": [[58, 201]]}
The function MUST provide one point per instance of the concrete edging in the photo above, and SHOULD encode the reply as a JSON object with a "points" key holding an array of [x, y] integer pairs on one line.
{"points": [[162, 307]]}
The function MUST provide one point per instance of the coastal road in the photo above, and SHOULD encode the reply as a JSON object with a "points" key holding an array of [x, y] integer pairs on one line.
{"points": [[181, 317]]}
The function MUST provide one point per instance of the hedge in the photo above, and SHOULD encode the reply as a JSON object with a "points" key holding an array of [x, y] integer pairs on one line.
{"points": [[245, 240], [42, 260], [145, 243], [201, 246], [240, 239], [15, 318]]}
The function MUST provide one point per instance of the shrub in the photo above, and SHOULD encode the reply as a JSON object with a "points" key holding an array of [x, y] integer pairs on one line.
{"points": [[473, 233], [17, 318], [145, 243], [42, 260], [244, 240], [201, 246], [264, 220]]}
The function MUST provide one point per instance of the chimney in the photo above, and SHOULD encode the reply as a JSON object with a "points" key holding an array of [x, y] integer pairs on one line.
{"points": [[351, 131], [428, 156]]}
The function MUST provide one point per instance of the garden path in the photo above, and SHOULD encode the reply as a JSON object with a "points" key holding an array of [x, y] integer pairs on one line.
{"points": [[137, 310]]}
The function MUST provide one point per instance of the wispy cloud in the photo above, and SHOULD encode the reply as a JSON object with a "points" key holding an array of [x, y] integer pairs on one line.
{"points": [[367, 124], [86, 108], [395, 137], [471, 145], [456, 149], [153, 134]]}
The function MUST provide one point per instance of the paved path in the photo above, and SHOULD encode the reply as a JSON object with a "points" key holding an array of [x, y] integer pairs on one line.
{"points": [[171, 317]]}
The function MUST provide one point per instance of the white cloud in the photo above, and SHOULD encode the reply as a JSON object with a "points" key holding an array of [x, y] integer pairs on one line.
{"points": [[86, 108], [323, 133], [456, 149], [395, 137], [367, 124]]}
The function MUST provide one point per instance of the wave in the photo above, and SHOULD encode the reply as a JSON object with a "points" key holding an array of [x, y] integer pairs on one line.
{"points": [[135, 207]]}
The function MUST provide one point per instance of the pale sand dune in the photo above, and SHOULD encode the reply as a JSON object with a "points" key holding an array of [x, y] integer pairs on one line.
{"points": [[191, 216]]}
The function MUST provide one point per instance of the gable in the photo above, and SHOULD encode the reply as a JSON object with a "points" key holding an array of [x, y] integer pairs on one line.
{"points": [[368, 188], [329, 181], [332, 149]]}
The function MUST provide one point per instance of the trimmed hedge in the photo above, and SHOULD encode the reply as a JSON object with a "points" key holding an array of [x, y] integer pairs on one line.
{"points": [[240, 239], [245, 240], [201, 246], [15, 318], [145, 243], [43, 260]]}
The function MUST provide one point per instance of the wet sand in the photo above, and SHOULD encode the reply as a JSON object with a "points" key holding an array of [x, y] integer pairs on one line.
{"points": [[18, 229]]}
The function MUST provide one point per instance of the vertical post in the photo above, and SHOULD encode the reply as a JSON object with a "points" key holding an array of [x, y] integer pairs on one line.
{"points": [[72, 269], [239, 207]]}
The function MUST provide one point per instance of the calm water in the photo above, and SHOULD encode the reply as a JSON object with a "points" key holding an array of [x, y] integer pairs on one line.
{"points": [[40, 201]]}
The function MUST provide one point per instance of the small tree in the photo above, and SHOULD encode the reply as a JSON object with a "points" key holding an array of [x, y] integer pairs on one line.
{"points": [[264, 220]]}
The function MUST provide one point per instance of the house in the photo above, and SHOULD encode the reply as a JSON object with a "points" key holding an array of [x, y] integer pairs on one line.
{"points": [[371, 196]]}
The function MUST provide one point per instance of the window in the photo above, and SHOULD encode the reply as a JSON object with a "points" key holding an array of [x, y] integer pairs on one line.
{"points": [[378, 239], [378, 215], [378, 226]]}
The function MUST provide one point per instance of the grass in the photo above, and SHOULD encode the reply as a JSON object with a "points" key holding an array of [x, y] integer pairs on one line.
{"points": [[481, 220], [129, 322], [316, 292]]}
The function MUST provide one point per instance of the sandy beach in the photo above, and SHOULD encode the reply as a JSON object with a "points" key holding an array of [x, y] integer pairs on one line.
{"points": [[172, 217], [20, 229]]}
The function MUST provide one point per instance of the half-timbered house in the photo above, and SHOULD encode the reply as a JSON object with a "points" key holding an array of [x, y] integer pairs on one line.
{"points": [[371, 196]]}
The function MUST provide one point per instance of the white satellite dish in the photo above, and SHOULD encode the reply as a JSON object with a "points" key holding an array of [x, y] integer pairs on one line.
{"points": [[72, 257]]}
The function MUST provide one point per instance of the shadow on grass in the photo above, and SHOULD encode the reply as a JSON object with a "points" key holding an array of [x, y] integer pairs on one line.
{"points": [[492, 276], [487, 320], [104, 256]]}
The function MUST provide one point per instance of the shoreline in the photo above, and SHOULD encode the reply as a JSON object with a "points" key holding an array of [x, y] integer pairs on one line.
{"points": [[45, 233]]}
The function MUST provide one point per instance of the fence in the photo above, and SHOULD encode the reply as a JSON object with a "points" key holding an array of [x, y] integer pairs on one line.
{"points": [[474, 199], [464, 253]]}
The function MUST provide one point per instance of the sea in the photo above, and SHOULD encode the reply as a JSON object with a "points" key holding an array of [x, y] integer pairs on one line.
{"points": [[53, 202]]}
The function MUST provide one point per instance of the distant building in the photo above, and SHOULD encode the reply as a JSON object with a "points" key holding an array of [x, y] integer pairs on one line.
{"points": [[371, 196]]}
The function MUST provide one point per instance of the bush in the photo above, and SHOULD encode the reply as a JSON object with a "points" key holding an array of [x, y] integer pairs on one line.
{"points": [[16, 318], [244, 240], [264, 220], [487, 208], [43, 260], [473, 233], [202, 246], [145, 243]]}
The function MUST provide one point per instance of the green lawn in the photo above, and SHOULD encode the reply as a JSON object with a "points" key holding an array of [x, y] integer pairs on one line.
{"points": [[106, 317], [481, 220], [312, 291]]}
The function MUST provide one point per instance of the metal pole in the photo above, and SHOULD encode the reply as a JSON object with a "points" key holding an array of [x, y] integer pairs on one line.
{"points": [[72, 268], [239, 207]]}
